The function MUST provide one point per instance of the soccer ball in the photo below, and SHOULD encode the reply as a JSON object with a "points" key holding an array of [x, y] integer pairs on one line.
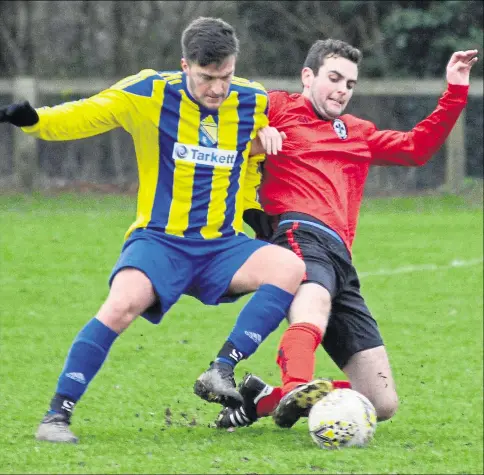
{"points": [[343, 418]]}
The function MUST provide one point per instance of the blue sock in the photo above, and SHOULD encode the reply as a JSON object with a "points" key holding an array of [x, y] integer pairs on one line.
{"points": [[258, 319], [85, 358]]}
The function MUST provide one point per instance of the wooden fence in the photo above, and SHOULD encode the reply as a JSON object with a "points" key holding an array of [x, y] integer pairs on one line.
{"points": [[25, 153]]}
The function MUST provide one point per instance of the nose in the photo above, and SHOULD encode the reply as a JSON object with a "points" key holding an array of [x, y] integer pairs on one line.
{"points": [[342, 90], [218, 87]]}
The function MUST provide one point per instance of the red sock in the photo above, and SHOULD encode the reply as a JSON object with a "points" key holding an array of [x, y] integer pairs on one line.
{"points": [[296, 355], [340, 384], [268, 403], [296, 358]]}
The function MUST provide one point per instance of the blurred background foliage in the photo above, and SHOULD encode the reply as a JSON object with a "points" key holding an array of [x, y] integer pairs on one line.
{"points": [[108, 40], [115, 38]]}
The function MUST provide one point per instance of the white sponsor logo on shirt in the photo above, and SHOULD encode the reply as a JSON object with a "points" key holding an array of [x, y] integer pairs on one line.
{"points": [[212, 157]]}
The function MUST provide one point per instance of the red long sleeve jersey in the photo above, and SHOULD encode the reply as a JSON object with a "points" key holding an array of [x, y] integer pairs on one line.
{"points": [[323, 165]]}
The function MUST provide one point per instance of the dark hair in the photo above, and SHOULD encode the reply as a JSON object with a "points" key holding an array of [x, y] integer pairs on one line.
{"points": [[209, 40], [323, 49]]}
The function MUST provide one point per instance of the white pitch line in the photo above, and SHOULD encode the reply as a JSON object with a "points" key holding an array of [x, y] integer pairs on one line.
{"points": [[424, 267]]}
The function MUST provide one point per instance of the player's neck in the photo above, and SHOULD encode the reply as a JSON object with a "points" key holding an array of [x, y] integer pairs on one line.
{"points": [[326, 119], [306, 95]]}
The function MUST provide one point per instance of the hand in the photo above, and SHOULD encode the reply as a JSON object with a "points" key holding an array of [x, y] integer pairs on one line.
{"points": [[459, 67], [260, 222], [271, 139], [21, 114]]}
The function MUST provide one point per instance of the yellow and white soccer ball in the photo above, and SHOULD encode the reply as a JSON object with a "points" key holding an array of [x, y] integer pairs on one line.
{"points": [[343, 418]]}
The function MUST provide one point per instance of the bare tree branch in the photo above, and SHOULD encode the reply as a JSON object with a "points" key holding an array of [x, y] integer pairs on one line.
{"points": [[12, 48], [294, 20]]}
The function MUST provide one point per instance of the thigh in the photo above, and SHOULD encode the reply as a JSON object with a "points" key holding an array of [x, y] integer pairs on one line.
{"points": [[318, 253], [164, 264], [311, 304], [370, 374], [351, 327], [269, 265]]}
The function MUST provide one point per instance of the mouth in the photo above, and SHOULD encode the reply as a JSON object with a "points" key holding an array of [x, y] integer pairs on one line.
{"points": [[213, 102]]}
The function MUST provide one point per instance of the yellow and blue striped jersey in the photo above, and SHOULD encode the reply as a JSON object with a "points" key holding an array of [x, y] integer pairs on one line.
{"points": [[195, 173]]}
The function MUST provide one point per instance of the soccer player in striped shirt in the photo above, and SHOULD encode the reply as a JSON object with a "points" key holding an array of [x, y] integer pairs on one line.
{"points": [[312, 190], [192, 131]]}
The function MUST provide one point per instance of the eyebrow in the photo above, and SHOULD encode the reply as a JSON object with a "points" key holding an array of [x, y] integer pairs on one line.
{"points": [[217, 77], [354, 81]]}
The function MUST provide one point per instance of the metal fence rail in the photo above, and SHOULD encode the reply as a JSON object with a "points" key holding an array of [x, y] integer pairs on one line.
{"points": [[25, 151]]}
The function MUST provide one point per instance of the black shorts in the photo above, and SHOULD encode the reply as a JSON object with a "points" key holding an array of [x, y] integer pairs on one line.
{"points": [[351, 328]]}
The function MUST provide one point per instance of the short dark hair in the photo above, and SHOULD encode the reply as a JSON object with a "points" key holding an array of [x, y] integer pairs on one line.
{"points": [[209, 40], [323, 49]]}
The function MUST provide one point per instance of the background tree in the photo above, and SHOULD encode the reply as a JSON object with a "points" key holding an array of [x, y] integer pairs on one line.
{"points": [[52, 38]]}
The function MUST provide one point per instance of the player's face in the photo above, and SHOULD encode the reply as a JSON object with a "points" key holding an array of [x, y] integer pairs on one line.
{"points": [[332, 88], [209, 85]]}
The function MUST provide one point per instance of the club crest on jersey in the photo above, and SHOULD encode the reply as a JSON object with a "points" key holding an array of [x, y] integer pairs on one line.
{"points": [[340, 129], [208, 132]]}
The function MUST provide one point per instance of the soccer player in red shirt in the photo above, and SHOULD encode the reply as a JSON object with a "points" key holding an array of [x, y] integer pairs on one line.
{"points": [[312, 190]]}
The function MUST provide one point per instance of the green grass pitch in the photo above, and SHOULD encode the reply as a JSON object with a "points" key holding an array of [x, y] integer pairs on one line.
{"points": [[420, 261]]}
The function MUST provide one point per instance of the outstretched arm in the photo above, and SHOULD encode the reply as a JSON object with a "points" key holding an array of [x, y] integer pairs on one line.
{"points": [[21, 114], [72, 120], [415, 148], [459, 67]]}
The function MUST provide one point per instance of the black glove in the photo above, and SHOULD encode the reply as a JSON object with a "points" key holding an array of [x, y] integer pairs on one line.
{"points": [[260, 223], [21, 114]]}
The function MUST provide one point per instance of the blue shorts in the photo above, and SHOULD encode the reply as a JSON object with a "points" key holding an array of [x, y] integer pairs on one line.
{"points": [[175, 266]]}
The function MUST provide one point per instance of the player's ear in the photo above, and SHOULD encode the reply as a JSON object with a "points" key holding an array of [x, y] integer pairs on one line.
{"points": [[307, 76], [184, 65]]}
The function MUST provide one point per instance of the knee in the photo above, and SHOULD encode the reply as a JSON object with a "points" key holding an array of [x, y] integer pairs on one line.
{"points": [[386, 408], [297, 269], [277, 266], [293, 268], [117, 313]]}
